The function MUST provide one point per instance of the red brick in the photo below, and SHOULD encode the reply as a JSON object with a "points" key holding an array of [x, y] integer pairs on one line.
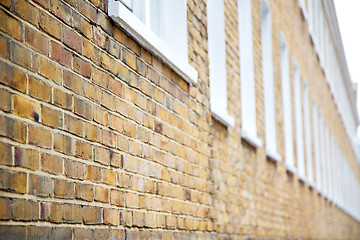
{"points": [[26, 108], [61, 10], [63, 189], [82, 67], [51, 163], [51, 117], [37, 41], [39, 89], [73, 82], [39, 136], [10, 25], [25, 210], [72, 39], [27, 158], [12, 77], [60, 54]]}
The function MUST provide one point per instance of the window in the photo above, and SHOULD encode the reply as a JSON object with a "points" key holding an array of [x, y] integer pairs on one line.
{"points": [[298, 123], [248, 103], [323, 153], [316, 145], [308, 139], [160, 26], [217, 62], [286, 97], [269, 96]]}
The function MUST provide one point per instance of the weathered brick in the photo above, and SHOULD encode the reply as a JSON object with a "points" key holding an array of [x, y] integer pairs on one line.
{"points": [[27, 158], [39, 89], [50, 25], [93, 173], [62, 99], [13, 181], [26, 11], [128, 58], [120, 36], [81, 66], [11, 26], [44, 211], [138, 219], [63, 143], [6, 156], [61, 10], [56, 212], [51, 163], [63, 189], [115, 123], [102, 155], [108, 138], [43, 3], [51, 117], [92, 215], [99, 77], [84, 192], [82, 25], [101, 194], [91, 92], [99, 38], [4, 47], [21, 55], [25, 210], [73, 125], [59, 233], [73, 82], [36, 40], [50, 70], [111, 216], [92, 132], [101, 233], [117, 198], [83, 233], [60, 54], [39, 136], [72, 213], [13, 77], [114, 48], [108, 176], [5, 100], [74, 169], [5, 209], [115, 86], [132, 200], [36, 232], [72, 39], [26, 108], [88, 10], [116, 160], [40, 186], [91, 52], [83, 150]]}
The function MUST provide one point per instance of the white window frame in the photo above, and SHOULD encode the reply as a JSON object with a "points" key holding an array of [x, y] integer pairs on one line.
{"points": [[247, 74], [268, 80], [287, 109], [298, 122], [217, 62], [317, 150], [173, 48], [308, 138]]}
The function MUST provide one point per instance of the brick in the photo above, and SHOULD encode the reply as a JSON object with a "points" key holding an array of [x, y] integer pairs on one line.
{"points": [[108, 138], [74, 169], [40, 186], [115, 86], [59, 233], [26, 11], [104, 21], [132, 200], [138, 219], [10, 25], [83, 150], [73, 125], [13, 77], [82, 25], [81, 66], [133, 46], [141, 67], [150, 220], [72, 39], [36, 232], [88, 10], [51, 163], [39, 89], [111, 217], [26, 108], [62, 99], [44, 3], [73, 82], [50, 70], [91, 92], [102, 155], [44, 211], [6, 156], [51, 117], [93, 173], [108, 176], [107, 62], [13, 181], [120, 36], [60, 54], [12, 232], [129, 58], [92, 215], [39, 136], [116, 160], [56, 212], [83, 234], [115, 123], [99, 77], [92, 132], [100, 116], [101, 194], [4, 47], [5, 209], [117, 198], [27, 158], [25, 210], [50, 25], [101, 233], [63, 143], [63, 189], [114, 48], [99, 38], [21, 55], [6, 3], [145, 55], [91, 52], [61, 10], [72, 213], [37, 41], [128, 218], [84, 192]]}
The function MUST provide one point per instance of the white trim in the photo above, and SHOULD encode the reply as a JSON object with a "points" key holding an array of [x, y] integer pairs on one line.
{"points": [[273, 155], [149, 40], [223, 117], [252, 140]]}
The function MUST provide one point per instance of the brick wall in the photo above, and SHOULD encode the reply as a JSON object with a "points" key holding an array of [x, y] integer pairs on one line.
{"points": [[100, 139]]}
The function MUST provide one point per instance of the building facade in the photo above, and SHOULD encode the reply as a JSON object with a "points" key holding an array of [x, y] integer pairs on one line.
{"points": [[184, 119]]}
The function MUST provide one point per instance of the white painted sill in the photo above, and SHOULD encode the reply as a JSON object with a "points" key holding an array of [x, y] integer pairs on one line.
{"points": [[149, 40], [253, 141], [273, 155], [223, 117], [291, 169]]}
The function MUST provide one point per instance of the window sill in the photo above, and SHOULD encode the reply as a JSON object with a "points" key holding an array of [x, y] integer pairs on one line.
{"points": [[273, 155], [149, 40], [290, 169], [253, 141], [302, 178], [223, 117]]}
